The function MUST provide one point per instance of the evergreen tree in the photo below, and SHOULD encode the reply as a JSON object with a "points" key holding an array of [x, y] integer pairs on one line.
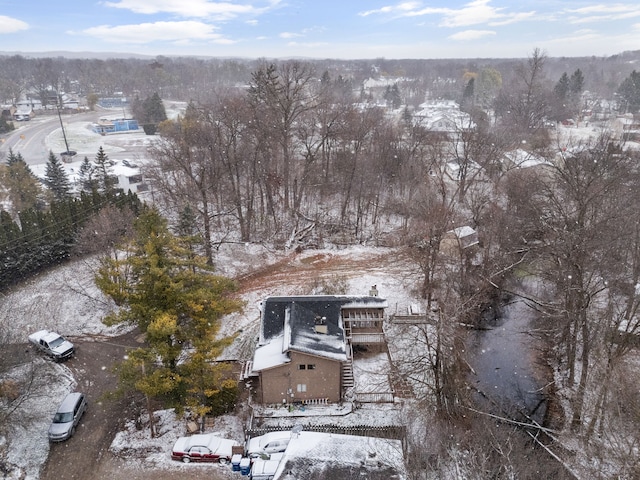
{"points": [[56, 179], [22, 186], [576, 83], [562, 87], [176, 300], [154, 109], [629, 92], [86, 182], [103, 173]]}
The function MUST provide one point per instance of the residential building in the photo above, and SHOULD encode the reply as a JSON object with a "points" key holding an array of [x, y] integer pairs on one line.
{"points": [[305, 347]]}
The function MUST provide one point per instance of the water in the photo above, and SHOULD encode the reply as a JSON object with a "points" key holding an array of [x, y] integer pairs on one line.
{"points": [[503, 358]]}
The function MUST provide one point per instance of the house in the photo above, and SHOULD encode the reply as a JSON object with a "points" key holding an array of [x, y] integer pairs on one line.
{"points": [[627, 127], [443, 117], [520, 158], [458, 240], [305, 347]]}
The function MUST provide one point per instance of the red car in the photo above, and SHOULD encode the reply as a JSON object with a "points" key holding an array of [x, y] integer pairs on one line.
{"points": [[204, 447]]}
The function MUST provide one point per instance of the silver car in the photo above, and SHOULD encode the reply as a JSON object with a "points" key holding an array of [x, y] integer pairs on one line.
{"points": [[67, 417]]}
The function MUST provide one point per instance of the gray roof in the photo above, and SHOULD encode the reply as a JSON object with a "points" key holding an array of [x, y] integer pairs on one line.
{"points": [[295, 317]]}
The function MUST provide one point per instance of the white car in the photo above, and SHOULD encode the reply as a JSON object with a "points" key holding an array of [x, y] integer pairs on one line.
{"points": [[54, 345], [265, 445], [203, 447]]}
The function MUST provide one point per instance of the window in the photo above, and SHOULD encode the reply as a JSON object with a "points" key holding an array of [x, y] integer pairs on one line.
{"points": [[302, 387], [302, 366], [311, 366]]}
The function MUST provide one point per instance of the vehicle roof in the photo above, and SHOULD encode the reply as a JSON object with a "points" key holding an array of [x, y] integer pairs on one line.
{"points": [[209, 440], [69, 402], [267, 437]]}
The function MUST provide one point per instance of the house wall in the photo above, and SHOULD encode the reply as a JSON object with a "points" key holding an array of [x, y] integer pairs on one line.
{"points": [[292, 383]]}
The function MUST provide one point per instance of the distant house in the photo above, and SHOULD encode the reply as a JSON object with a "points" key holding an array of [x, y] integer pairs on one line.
{"points": [[129, 178], [113, 102], [304, 351], [443, 117], [520, 158], [458, 240], [627, 128]]}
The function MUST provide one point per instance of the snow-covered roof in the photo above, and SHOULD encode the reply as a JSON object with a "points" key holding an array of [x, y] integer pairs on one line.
{"points": [[523, 159], [290, 324], [270, 355], [312, 455]]}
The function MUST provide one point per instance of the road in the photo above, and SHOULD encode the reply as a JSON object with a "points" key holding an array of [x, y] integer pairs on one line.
{"points": [[30, 138]]}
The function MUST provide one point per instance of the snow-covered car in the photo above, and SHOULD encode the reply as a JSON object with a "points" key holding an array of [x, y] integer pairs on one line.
{"points": [[265, 445], [54, 345], [203, 447]]}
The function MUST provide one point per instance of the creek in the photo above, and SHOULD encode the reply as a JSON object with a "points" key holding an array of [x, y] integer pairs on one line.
{"points": [[503, 355]]}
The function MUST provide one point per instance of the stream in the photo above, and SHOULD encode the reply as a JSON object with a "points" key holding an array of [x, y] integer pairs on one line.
{"points": [[503, 355]]}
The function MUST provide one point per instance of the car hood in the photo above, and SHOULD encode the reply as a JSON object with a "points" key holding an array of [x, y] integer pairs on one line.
{"points": [[56, 429], [63, 347]]}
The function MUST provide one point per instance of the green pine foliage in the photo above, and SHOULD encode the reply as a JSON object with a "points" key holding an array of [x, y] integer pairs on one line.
{"points": [[22, 186], [175, 298], [56, 179], [36, 239]]}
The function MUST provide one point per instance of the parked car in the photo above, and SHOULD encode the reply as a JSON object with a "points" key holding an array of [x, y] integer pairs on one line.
{"points": [[203, 447], [54, 345], [67, 417], [265, 445]]}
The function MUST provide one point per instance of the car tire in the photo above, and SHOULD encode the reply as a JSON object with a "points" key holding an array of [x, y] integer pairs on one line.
{"points": [[186, 459], [223, 460]]}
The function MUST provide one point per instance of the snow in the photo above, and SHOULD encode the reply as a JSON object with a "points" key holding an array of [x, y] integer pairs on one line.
{"points": [[270, 355], [66, 300]]}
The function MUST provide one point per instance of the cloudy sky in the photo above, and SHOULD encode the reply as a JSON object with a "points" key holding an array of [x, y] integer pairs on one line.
{"points": [[344, 29]]}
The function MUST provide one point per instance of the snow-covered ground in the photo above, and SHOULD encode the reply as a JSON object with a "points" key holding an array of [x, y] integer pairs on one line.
{"points": [[66, 300]]}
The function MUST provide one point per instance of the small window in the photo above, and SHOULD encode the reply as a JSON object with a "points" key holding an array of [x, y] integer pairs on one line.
{"points": [[302, 387], [302, 366], [311, 366]]}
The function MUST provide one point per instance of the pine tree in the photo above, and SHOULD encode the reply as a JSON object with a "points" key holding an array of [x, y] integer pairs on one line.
{"points": [[86, 182], [154, 109], [22, 186], [103, 173], [56, 179], [173, 296], [629, 91]]}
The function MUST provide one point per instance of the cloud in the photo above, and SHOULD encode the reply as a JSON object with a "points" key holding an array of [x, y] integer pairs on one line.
{"points": [[11, 25], [472, 34], [290, 35], [472, 13], [192, 8], [603, 13], [395, 9], [177, 32]]}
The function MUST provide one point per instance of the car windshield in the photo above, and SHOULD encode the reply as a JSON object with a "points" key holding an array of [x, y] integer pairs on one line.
{"points": [[56, 342], [63, 417]]}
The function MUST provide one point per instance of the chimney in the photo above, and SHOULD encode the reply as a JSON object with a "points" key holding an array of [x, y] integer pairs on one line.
{"points": [[321, 325], [374, 291]]}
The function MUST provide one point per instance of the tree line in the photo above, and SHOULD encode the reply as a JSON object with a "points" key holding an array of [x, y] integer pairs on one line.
{"points": [[42, 226]]}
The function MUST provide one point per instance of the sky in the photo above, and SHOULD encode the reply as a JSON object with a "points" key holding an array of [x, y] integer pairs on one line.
{"points": [[342, 29]]}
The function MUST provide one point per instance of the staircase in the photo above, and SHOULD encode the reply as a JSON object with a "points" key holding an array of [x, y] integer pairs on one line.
{"points": [[347, 375]]}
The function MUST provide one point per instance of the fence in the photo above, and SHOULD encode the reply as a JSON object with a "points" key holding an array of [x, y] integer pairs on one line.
{"points": [[374, 397]]}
